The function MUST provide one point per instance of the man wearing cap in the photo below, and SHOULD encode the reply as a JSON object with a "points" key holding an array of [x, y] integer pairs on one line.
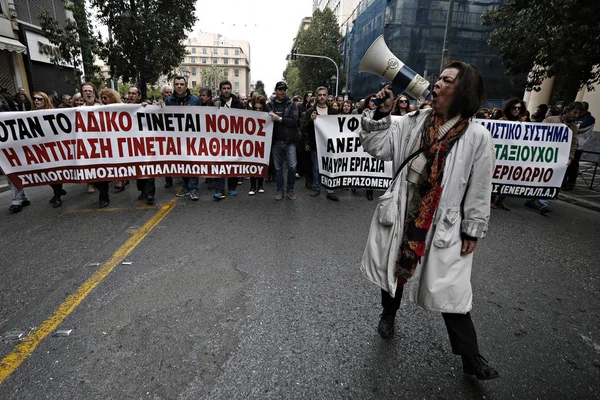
{"points": [[284, 113]]}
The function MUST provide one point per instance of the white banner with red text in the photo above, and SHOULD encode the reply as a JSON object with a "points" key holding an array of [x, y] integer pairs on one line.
{"points": [[126, 141], [342, 160], [531, 158]]}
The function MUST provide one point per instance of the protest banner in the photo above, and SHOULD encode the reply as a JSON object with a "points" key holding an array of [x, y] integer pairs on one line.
{"points": [[531, 158], [121, 141], [342, 160]]}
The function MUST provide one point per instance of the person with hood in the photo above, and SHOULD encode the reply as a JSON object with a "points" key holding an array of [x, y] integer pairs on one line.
{"points": [[227, 100], [284, 114], [182, 96], [427, 224]]}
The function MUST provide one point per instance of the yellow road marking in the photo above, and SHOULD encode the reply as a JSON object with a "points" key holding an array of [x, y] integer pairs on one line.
{"points": [[28, 345], [87, 210]]}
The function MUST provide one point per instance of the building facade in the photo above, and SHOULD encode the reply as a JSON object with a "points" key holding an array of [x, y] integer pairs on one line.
{"points": [[211, 58], [344, 10], [414, 30], [31, 67], [12, 51]]}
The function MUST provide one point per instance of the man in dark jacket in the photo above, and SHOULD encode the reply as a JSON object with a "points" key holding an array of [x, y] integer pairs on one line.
{"points": [[183, 97], [284, 113], [227, 100]]}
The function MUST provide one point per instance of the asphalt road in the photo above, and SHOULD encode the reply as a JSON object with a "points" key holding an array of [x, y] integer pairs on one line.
{"points": [[250, 298]]}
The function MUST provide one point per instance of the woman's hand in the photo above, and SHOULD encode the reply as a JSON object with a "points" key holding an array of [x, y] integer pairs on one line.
{"points": [[468, 247], [387, 104]]}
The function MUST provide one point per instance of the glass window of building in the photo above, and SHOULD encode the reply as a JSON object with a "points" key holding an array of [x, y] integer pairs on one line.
{"points": [[193, 60], [226, 61], [203, 60], [203, 50], [215, 51], [193, 50], [193, 71], [237, 52], [226, 51], [193, 83], [236, 72], [236, 85], [215, 60], [236, 61]]}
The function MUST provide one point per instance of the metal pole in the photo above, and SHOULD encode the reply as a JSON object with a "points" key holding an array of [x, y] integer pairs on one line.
{"points": [[448, 24], [337, 70]]}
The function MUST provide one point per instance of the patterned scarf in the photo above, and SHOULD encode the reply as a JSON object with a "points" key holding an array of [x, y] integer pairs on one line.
{"points": [[428, 195]]}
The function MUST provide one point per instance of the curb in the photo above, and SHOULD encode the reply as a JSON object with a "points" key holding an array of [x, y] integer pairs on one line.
{"points": [[590, 205]]}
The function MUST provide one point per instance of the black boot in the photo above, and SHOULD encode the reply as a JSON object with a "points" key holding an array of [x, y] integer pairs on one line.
{"points": [[386, 325], [478, 366]]}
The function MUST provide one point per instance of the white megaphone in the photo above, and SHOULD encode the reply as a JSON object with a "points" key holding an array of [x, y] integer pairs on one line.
{"points": [[379, 60]]}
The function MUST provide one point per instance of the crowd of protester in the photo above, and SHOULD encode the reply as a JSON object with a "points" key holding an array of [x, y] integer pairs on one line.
{"points": [[293, 147]]}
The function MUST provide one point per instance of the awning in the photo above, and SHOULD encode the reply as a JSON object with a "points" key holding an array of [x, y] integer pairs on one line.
{"points": [[12, 45]]}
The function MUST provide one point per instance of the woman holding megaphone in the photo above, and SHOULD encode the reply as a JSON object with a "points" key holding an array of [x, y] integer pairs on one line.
{"points": [[427, 224]]}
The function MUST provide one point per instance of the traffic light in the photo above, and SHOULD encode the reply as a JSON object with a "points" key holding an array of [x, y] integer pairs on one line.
{"points": [[293, 56]]}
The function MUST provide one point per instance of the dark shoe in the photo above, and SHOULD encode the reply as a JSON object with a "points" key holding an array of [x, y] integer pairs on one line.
{"points": [[218, 196], [369, 196], [57, 202], [104, 203], [25, 203], [332, 197], [502, 205], [494, 206], [386, 326], [63, 192], [291, 196], [279, 196], [545, 210], [168, 183], [15, 208], [308, 184], [353, 190], [149, 200], [119, 188], [532, 204], [315, 193], [478, 366], [52, 200], [142, 196]]}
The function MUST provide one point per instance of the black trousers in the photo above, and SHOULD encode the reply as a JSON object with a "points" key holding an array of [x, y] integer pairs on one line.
{"points": [[102, 189], [461, 330], [147, 186]]}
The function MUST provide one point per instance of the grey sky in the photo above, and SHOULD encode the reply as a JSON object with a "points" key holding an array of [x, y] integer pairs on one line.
{"points": [[269, 25]]}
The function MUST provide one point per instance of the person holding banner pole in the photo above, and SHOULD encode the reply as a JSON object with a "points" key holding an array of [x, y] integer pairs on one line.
{"points": [[256, 184], [41, 101], [182, 96], [227, 100], [308, 126], [427, 224], [569, 118], [146, 186]]}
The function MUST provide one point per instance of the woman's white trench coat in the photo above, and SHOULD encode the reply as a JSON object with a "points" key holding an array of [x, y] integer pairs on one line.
{"points": [[442, 281]]}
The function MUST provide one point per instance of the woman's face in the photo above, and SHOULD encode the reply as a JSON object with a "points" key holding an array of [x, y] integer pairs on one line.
{"points": [[347, 108], [335, 106], [39, 102], [258, 107], [443, 90], [515, 110], [403, 102], [78, 102], [104, 99], [372, 105]]}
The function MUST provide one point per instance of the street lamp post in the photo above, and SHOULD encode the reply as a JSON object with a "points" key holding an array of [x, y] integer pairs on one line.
{"points": [[337, 70]]}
